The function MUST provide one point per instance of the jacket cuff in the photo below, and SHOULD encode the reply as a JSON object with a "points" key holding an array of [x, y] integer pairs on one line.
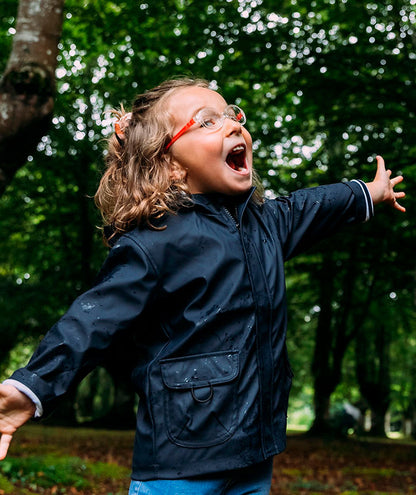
{"points": [[360, 186], [45, 392]]}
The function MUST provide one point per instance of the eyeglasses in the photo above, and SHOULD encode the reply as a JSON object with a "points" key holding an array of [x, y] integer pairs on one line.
{"points": [[212, 120]]}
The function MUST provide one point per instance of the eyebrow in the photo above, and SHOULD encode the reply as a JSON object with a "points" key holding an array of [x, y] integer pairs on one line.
{"points": [[211, 108], [203, 107], [195, 112]]}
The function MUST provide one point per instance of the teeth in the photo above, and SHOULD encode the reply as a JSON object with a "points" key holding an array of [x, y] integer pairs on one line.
{"points": [[238, 148]]}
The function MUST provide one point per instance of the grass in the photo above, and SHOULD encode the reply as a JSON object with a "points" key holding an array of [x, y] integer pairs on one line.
{"points": [[47, 471], [67, 461], [312, 466], [77, 461]]}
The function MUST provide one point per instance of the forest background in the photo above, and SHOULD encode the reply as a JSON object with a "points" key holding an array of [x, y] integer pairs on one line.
{"points": [[326, 85]]}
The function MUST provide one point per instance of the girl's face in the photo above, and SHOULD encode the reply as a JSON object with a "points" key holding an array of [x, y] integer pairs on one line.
{"points": [[214, 160]]}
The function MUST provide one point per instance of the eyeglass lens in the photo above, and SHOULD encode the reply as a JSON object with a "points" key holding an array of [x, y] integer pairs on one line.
{"points": [[211, 119]]}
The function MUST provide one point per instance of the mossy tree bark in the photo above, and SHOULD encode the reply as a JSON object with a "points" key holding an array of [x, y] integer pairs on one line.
{"points": [[28, 84]]}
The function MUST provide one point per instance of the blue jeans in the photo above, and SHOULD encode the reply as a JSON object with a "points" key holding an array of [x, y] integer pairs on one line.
{"points": [[253, 480]]}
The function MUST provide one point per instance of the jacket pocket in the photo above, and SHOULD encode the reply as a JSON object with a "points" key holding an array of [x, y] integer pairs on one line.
{"points": [[200, 402]]}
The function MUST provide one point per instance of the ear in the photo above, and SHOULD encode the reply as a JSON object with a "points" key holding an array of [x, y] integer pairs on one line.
{"points": [[177, 172]]}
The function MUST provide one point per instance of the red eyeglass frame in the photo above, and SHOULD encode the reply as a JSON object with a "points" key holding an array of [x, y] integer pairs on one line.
{"points": [[193, 121], [179, 134]]}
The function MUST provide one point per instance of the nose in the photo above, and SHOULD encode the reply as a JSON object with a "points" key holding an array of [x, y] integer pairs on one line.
{"points": [[231, 126]]}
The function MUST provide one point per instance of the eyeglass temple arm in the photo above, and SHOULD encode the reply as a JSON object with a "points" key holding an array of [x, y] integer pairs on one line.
{"points": [[179, 134]]}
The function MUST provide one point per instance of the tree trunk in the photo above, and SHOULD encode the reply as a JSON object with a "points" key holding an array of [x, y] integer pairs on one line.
{"points": [[321, 368], [332, 339], [378, 423], [122, 415], [413, 426], [373, 374], [27, 87]]}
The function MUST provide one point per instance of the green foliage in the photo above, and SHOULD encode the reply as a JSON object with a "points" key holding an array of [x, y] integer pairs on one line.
{"points": [[370, 492], [95, 396], [366, 471], [5, 485], [17, 357], [311, 486], [326, 85], [45, 471], [51, 470], [341, 466], [108, 471], [7, 29]]}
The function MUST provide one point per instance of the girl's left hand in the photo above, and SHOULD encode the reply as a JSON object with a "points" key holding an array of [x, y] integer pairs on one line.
{"points": [[382, 187]]}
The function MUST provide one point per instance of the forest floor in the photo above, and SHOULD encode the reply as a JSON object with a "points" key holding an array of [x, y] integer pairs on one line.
{"points": [[51, 460]]}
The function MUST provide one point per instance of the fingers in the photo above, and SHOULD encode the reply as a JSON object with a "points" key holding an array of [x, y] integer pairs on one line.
{"points": [[380, 164], [398, 206], [392, 195], [381, 167], [5, 441], [396, 180], [397, 195]]}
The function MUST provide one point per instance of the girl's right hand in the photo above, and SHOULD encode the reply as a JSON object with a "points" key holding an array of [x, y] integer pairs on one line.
{"points": [[15, 409]]}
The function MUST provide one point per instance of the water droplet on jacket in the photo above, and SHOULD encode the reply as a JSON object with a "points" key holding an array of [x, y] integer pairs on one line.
{"points": [[87, 306]]}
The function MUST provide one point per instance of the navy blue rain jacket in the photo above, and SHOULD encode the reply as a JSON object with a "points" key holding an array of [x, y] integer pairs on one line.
{"points": [[205, 300]]}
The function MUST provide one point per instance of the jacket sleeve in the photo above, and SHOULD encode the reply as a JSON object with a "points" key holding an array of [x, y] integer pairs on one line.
{"points": [[80, 339], [309, 215]]}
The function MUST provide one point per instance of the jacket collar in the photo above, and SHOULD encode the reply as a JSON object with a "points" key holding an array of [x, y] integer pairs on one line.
{"points": [[214, 201]]}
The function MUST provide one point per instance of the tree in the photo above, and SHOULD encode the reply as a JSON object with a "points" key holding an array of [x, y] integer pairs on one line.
{"points": [[28, 84], [313, 120], [350, 97]]}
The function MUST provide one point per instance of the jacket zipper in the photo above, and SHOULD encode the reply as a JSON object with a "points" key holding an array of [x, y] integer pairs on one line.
{"points": [[233, 218]]}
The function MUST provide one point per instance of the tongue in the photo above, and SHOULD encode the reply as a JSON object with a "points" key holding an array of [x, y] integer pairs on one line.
{"points": [[236, 160]]}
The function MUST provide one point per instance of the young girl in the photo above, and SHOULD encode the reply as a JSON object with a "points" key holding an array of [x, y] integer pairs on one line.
{"points": [[195, 275]]}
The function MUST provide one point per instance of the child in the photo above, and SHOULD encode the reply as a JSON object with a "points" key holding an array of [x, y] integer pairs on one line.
{"points": [[195, 274]]}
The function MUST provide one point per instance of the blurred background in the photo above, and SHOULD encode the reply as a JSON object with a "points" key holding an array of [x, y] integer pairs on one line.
{"points": [[326, 86]]}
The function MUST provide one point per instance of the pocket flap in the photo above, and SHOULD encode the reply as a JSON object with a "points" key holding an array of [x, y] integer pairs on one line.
{"points": [[200, 370]]}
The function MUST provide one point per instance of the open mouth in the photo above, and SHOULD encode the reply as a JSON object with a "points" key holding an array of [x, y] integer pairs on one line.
{"points": [[236, 159]]}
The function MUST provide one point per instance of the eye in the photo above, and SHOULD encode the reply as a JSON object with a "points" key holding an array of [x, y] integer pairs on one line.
{"points": [[209, 121], [208, 118]]}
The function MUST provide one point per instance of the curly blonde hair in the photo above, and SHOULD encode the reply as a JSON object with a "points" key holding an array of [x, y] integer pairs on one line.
{"points": [[138, 185]]}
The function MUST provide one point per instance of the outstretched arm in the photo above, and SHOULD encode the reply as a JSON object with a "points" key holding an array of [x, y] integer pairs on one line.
{"points": [[381, 188], [15, 409]]}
